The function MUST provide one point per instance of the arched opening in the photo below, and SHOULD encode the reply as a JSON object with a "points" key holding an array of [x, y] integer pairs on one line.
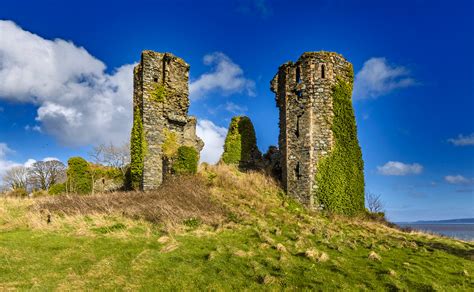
{"points": [[323, 71]]}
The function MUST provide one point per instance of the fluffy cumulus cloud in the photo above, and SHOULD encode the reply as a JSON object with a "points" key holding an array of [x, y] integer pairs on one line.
{"points": [[462, 140], [78, 102], [377, 78], [225, 77], [458, 180], [399, 168], [213, 137]]}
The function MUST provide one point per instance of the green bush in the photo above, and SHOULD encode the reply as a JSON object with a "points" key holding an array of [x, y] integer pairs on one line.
{"points": [[186, 161], [240, 147], [79, 179], [340, 175], [137, 150], [57, 189]]}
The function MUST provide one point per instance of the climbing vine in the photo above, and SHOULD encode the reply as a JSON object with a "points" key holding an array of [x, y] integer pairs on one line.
{"points": [[137, 150], [340, 175], [241, 143], [170, 145]]}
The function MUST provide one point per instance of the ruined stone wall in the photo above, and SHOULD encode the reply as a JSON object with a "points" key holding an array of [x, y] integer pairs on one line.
{"points": [[304, 96], [161, 95]]}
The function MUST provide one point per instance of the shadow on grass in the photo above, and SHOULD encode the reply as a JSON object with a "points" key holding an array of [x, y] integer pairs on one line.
{"points": [[467, 252]]}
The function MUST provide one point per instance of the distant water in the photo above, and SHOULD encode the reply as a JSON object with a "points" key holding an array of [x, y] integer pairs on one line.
{"points": [[455, 230]]}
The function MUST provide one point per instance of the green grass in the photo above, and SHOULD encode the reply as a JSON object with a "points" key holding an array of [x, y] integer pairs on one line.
{"points": [[263, 244]]}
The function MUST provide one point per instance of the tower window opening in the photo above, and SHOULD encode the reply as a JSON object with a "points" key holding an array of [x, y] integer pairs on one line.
{"points": [[298, 75], [297, 132], [323, 73], [297, 171], [299, 93], [155, 79]]}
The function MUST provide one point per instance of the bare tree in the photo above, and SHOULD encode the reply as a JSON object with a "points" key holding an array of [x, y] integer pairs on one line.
{"points": [[43, 174], [112, 155], [16, 177], [374, 203]]}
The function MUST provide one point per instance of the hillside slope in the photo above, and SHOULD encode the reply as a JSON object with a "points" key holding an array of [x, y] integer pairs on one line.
{"points": [[220, 230]]}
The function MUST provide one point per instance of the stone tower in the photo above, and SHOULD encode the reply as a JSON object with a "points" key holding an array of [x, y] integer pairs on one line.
{"points": [[161, 102], [304, 97]]}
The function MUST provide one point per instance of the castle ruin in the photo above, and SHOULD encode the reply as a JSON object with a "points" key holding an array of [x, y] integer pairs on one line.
{"points": [[304, 96], [161, 102]]}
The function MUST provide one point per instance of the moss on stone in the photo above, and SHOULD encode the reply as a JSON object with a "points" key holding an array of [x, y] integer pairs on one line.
{"points": [[170, 145], [340, 175], [137, 150], [158, 93], [186, 161], [240, 145]]}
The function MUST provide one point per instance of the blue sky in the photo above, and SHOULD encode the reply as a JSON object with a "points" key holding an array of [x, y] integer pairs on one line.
{"points": [[65, 81]]}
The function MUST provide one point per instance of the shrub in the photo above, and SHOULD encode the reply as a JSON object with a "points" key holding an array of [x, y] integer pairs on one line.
{"points": [[186, 161], [240, 147], [79, 179], [340, 175], [57, 189], [18, 193]]}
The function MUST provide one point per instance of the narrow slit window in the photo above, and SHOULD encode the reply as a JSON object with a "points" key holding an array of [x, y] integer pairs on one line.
{"points": [[323, 73], [297, 130], [297, 171], [298, 75]]}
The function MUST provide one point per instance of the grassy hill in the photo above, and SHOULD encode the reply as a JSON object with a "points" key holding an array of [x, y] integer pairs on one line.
{"points": [[220, 230]]}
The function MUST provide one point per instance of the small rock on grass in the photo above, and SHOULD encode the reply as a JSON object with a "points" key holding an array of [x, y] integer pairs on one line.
{"points": [[374, 256]]}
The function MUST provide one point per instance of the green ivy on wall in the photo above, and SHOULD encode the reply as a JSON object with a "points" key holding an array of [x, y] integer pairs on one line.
{"points": [[186, 161], [240, 143], [340, 175], [137, 150], [170, 145]]}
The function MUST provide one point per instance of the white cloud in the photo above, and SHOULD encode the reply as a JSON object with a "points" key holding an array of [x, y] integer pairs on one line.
{"points": [[235, 108], [29, 162], [225, 77], [5, 164], [213, 137], [78, 103], [458, 180], [377, 78], [399, 168], [462, 140]]}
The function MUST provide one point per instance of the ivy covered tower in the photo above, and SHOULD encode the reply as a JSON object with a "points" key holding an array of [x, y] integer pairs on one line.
{"points": [[160, 122], [320, 155]]}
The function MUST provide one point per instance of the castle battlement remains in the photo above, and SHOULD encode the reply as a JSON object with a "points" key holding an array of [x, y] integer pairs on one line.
{"points": [[303, 91], [161, 102]]}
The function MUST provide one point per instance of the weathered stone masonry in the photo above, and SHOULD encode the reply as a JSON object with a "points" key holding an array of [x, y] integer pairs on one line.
{"points": [[161, 94], [304, 96]]}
